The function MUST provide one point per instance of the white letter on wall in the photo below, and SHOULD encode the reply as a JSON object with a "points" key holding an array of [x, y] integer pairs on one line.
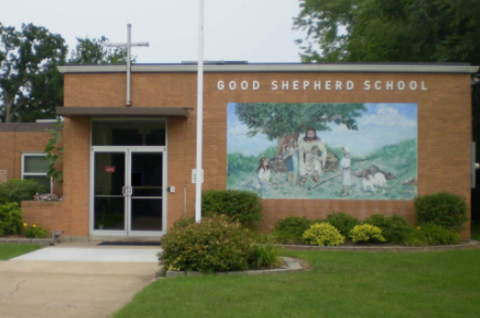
{"points": [[274, 86], [349, 85], [366, 85], [295, 85], [244, 85], [328, 85], [424, 88], [413, 85]]}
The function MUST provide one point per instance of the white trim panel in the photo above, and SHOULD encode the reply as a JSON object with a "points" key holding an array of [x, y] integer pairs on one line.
{"points": [[327, 68]]}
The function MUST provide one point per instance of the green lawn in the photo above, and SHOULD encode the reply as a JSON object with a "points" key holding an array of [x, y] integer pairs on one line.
{"points": [[8, 251], [339, 284]]}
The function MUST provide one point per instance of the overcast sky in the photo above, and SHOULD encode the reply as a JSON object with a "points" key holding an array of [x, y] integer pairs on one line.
{"points": [[247, 30]]}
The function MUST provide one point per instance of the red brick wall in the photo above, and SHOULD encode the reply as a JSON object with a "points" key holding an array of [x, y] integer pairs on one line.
{"points": [[444, 134], [13, 144], [50, 215]]}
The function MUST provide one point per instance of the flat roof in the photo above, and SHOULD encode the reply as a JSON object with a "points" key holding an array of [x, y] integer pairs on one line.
{"points": [[464, 68], [26, 127], [122, 111]]}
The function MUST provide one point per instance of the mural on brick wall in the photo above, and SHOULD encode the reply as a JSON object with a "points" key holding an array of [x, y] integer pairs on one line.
{"points": [[323, 150]]}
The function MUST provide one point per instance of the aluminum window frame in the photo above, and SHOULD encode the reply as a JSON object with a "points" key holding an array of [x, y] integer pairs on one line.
{"points": [[35, 174]]}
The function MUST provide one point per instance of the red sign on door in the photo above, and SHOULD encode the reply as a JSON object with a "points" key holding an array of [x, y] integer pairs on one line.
{"points": [[110, 169]]}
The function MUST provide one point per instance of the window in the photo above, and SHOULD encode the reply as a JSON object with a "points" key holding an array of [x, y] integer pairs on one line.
{"points": [[34, 166]]}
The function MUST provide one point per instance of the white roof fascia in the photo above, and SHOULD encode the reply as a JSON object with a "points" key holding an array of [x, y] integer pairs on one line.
{"points": [[251, 68]]}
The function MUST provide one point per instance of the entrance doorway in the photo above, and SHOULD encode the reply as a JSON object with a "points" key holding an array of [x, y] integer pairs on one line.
{"points": [[127, 187], [128, 191]]}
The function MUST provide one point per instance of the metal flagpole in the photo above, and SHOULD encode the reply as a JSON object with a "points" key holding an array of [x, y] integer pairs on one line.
{"points": [[199, 172]]}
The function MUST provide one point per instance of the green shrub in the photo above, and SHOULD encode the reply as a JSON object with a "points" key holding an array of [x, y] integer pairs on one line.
{"points": [[10, 219], [395, 228], [366, 233], [290, 229], [244, 206], [342, 221], [215, 244], [446, 209], [19, 190], [36, 231], [323, 234], [184, 222], [432, 234], [265, 256]]}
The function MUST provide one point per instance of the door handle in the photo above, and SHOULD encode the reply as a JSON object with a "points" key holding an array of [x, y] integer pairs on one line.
{"points": [[126, 191]]}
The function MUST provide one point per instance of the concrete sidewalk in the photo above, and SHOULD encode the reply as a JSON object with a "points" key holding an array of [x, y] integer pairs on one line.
{"points": [[50, 287]]}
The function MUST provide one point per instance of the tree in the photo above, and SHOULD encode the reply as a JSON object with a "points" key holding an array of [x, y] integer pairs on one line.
{"points": [[30, 85], [96, 51], [390, 30], [286, 121]]}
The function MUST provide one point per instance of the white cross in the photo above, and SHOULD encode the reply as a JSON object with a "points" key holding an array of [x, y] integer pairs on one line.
{"points": [[129, 44]]}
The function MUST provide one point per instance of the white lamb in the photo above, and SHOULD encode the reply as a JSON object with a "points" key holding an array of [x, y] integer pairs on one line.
{"points": [[371, 182]]}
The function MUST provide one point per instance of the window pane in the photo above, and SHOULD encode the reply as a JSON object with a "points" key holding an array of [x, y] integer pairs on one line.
{"points": [[128, 132], [44, 181], [35, 164]]}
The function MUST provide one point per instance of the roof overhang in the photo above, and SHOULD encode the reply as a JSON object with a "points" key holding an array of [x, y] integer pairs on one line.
{"points": [[279, 67], [123, 111]]}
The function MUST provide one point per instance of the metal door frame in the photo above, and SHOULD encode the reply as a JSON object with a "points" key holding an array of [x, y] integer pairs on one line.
{"points": [[128, 151]]}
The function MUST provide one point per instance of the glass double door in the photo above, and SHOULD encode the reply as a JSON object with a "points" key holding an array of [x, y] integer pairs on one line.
{"points": [[128, 191]]}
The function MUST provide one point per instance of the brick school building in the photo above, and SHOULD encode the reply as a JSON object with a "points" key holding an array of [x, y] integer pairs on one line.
{"points": [[310, 139]]}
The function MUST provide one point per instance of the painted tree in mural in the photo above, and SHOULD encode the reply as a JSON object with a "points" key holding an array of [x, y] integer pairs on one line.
{"points": [[30, 85], [284, 122]]}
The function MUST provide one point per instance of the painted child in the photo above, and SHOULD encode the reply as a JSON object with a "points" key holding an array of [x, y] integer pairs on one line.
{"points": [[345, 164]]}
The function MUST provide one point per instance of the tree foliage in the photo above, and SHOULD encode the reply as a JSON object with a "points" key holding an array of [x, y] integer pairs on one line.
{"points": [[280, 120], [390, 30], [97, 51], [30, 84]]}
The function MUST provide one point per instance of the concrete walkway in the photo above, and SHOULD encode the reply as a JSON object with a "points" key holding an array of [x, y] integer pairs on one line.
{"points": [[69, 280]]}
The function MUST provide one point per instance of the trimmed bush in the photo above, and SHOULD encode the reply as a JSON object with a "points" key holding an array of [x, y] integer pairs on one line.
{"points": [[183, 222], [19, 190], [10, 219], [366, 233], [35, 231], [342, 221], [290, 229], [395, 228], [244, 206], [323, 234], [215, 244], [445, 209], [432, 234]]}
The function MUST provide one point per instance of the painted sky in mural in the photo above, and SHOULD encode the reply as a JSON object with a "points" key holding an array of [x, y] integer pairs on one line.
{"points": [[371, 147]]}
